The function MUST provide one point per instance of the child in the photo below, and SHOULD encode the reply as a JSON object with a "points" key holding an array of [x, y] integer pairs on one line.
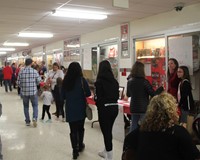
{"points": [[47, 100], [184, 95], [59, 98]]}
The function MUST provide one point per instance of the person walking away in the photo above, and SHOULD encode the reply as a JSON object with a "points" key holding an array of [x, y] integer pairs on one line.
{"points": [[106, 96], [59, 99], [139, 89], [173, 79], [184, 95], [28, 80], [47, 100], [7, 75], [75, 105], [1, 76], [52, 77], [13, 79]]}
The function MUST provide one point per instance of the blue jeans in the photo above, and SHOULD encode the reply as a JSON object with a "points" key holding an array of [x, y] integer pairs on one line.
{"points": [[7, 82], [135, 119], [34, 102]]}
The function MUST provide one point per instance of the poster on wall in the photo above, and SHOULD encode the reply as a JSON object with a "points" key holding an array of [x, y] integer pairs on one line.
{"points": [[125, 52], [125, 41], [87, 59], [181, 49]]}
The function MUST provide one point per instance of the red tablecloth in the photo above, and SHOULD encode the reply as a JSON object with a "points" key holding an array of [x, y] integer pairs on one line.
{"points": [[126, 104]]}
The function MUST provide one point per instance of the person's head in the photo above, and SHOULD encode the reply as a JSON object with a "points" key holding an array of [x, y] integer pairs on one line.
{"points": [[46, 87], [172, 65], [183, 72], [105, 70], [7, 63], [59, 81], [74, 71], [161, 113], [28, 62], [137, 70], [55, 66], [42, 63]]}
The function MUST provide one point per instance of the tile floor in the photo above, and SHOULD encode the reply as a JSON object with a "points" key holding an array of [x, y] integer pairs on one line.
{"points": [[49, 141]]}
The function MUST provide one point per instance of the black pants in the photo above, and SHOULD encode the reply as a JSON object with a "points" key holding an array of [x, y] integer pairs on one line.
{"points": [[7, 83], [59, 108], [45, 108], [77, 134], [107, 116]]}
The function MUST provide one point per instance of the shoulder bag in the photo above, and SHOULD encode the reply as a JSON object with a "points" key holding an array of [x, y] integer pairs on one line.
{"points": [[88, 110]]}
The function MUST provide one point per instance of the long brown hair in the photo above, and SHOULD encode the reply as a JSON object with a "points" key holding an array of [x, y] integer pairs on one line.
{"points": [[138, 70]]}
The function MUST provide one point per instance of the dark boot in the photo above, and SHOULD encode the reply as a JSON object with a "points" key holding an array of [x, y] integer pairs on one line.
{"points": [[74, 142], [81, 145]]}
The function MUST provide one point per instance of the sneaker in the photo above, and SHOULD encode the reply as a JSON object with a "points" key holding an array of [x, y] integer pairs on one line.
{"points": [[102, 153], [42, 120], [34, 123], [48, 121], [27, 124]]}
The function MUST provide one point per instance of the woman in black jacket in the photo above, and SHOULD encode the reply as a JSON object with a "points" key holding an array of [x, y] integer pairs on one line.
{"points": [[107, 94], [139, 89], [185, 98]]}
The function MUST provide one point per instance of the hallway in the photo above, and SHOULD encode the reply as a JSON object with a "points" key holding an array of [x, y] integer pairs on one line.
{"points": [[49, 141]]}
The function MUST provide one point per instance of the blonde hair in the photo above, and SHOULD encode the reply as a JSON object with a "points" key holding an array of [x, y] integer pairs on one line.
{"points": [[161, 113]]}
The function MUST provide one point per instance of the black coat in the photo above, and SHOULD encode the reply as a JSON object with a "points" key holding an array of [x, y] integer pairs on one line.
{"points": [[186, 100], [107, 91], [139, 89]]}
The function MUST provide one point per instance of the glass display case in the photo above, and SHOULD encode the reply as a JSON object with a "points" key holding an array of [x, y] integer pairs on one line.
{"points": [[151, 52]]}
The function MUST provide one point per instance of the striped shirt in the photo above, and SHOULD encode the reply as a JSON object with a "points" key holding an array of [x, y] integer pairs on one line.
{"points": [[28, 80]]}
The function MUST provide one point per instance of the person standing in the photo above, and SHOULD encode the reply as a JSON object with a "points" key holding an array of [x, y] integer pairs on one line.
{"points": [[59, 99], [47, 100], [184, 95], [7, 75], [139, 89], [173, 79], [106, 96], [1, 76], [75, 90], [28, 80], [52, 77]]}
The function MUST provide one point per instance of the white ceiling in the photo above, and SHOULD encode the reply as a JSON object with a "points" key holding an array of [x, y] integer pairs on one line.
{"points": [[35, 15]]}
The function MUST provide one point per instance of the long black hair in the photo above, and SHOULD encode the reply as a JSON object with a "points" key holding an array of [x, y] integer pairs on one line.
{"points": [[105, 70], [186, 74], [74, 71]]}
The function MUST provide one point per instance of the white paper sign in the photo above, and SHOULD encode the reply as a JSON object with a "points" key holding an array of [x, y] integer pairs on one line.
{"points": [[87, 58], [181, 50]]}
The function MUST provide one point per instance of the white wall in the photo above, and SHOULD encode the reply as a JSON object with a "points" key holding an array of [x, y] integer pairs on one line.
{"points": [[166, 21]]}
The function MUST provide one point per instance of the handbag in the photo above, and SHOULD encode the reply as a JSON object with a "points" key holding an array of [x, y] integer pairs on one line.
{"points": [[88, 110]]}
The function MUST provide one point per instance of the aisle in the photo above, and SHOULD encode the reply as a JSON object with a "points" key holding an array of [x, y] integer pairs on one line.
{"points": [[49, 141]]}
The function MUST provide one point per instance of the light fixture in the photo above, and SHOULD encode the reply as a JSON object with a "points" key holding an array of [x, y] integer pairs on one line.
{"points": [[7, 49], [80, 14], [35, 35], [15, 44], [73, 46], [2, 53], [145, 57]]}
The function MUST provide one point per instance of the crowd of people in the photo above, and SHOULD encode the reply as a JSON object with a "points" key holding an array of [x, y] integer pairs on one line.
{"points": [[158, 119]]}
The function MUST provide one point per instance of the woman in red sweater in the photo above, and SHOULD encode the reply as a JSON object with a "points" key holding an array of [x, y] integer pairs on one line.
{"points": [[173, 79]]}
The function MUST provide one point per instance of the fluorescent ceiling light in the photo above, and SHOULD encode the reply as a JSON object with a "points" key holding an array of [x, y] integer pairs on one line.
{"points": [[7, 49], [2, 52], [15, 44], [35, 35], [73, 46], [80, 14]]}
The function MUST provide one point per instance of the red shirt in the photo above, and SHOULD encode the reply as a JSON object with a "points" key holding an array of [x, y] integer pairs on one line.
{"points": [[173, 82], [7, 72]]}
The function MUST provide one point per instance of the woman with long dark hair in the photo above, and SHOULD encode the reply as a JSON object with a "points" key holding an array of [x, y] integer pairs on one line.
{"points": [[107, 94], [184, 95], [173, 79], [75, 88]]}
